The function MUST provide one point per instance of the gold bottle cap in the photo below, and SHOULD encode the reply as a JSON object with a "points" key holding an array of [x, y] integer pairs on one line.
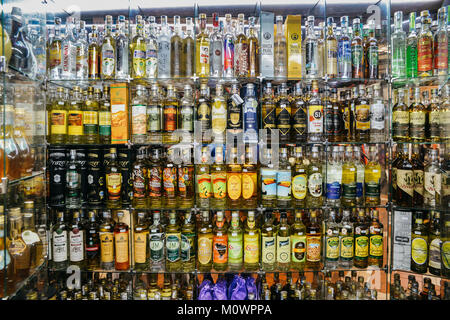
{"points": [[2, 220], [28, 204], [113, 150], [76, 214], [15, 212]]}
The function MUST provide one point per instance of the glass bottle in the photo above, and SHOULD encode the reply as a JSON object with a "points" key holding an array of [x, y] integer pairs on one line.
{"points": [[113, 177], [234, 112], [371, 53], [283, 243], [75, 118], [202, 49], [58, 118], [268, 243], [234, 179], [425, 46], [106, 235], [334, 178], [331, 241], [441, 45], [157, 243], [321, 43], [249, 179], [176, 47], [122, 45], [315, 115], [284, 177], [419, 245], [26, 157], [229, 56], [151, 54], [140, 243], [314, 197], [445, 250], [298, 242], [312, 51], [417, 166], [169, 175], [20, 251], [251, 243], [220, 243], [155, 179], [376, 249], [344, 51], [140, 183], [331, 45], [398, 44], [280, 50], [434, 263], [54, 53], [216, 49], [357, 51], [235, 243], [203, 114], [372, 178], [203, 179], [205, 244], [313, 242], [250, 115], [121, 235], [360, 260], [404, 179], [60, 243], [73, 182], [138, 51], [82, 52], [377, 118], [362, 115], [432, 180], [188, 47], [93, 243], [30, 235], [69, 52], [104, 117], [219, 115], [400, 118], [299, 118], [90, 116], [188, 249], [170, 111], [349, 179], [108, 52], [346, 241], [139, 116], [219, 180], [434, 117], [299, 180], [185, 185], [417, 118], [268, 111], [284, 115], [241, 50], [253, 49], [411, 48], [93, 54], [268, 180], [154, 115]]}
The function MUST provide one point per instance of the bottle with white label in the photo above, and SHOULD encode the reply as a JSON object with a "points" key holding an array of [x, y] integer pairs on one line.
{"points": [[106, 233], [156, 241], [60, 252], [334, 178], [69, 52], [31, 237], [76, 241], [377, 120], [139, 116], [283, 244], [268, 243], [314, 197], [432, 180], [331, 241]]}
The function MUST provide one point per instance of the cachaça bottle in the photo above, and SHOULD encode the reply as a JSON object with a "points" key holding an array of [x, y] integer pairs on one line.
{"points": [[280, 50], [299, 118], [425, 46], [331, 47], [376, 248], [405, 179], [93, 54], [434, 263], [311, 49], [344, 51], [284, 115], [360, 165], [362, 115], [441, 45], [371, 53], [93, 244], [173, 244], [140, 243], [176, 47], [59, 241], [151, 53], [154, 116], [361, 257], [284, 180], [268, 178], [186, 115], [432, 181], [315, 115], [188, 249], [169, 178], [220, 243], [108, 52], [268, 112], [313, 242], [418, 172], [106, 234], [113, 177], [77, 238], [75, 118], [203, 115], [140, 180], [139, 116], [298, 242], [411, 48], [219, 180], [58, 118], [445, 249], [241, 50], [170, 110], [157, 243], [216, 48], [372, 178], [20, 251], [235, 243], [121, 238], [122, 46], [251, 243], [346, 241], [138, 51], [253, 49], [283, 243], [250, 179], [104, 117], [400, 118], [314, 197], [203, 180], [219, 115], [419, 245], [334, 178], [417, 118], [398, 44], [73, 182], [299, 180], [155, 179], [185, 185], [205, 244], [202, 49], [90, 116], [331, 241], [234, 180], [54, 53], [268, 243], [357, 50]]}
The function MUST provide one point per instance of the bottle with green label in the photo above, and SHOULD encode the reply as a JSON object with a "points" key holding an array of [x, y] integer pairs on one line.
{"points": [[299, 180], [268, 243], [445, 250], [360, 259], [376, 248], [203, 179], [314, 197], [188, 243], [346, 241], [251, 243], [90, 116], [331, 241], [173, 244], [235, 243], [75, 118], [205, 244], [434, 263], [298, 242], [283, 244], [104, 117], [156, 242], [349, 179], [419, 245]]}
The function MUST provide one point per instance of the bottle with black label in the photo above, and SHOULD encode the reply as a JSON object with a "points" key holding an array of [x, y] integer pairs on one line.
{"points": [[73, 182], [139, 177], [234, 111], [57, 180], [299, 118], [362, 116], [113, 178], [95, 179], [203, 114], [405, 180], [283, 114], [268, 110], [418, 176], [328, 115], [125, 161]]}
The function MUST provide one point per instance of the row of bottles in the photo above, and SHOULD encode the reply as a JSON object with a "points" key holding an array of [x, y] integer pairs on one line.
{"points": [[412, 291]]}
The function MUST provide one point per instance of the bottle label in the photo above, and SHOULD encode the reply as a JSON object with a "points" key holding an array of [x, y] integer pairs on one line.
{"points": [[234, 185], [140, 247], [405, 181], [361, 247], [332, 58], [54, 57], [154, 118], [373, 56], [332, 247], [435, 253], [156, 247], [106, 247], [58, 122], [251, 248], [220, 249], [441, 54], [169, 182], [219, 180], [187, 117], [250, 118], [372, 184], [345, 59], [300, 121], [284, 185], [269, 121], [432, 183], [139, 123], [155, 182], [204, 185], [138, 62], [346, 247], [334, 179], [284, 118], [204, 116], [121, 242], [90, 122], [376, 246], [104, 121], [228, 61], [298, 248], [268, 184], [76, 243], [219, 117], [419, 250], [417, 124], [170, 118], [400, 123], [377, 116], [187, 245], [234, 120], [424, 54], [204, 55], [357, 56], [75, 123], [114, 185], [418, 181], [268, 249], [185, 180], [204, 249], [315, 185], [173, 241], [283, 249], [362, 117], [235, 248], [139, 183], [434, 124], [59, 248], [249, 181], [313, 248], [315, 119], [445, 254], [108, 58], [299, 186]]}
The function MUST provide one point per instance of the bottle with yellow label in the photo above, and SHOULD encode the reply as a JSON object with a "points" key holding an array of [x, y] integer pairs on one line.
{"points": [[298, 242], [104, 117], [362, 115], [445, 250], [249, 178], [203, 180], [251, 243], [417, 118], [283, 244], [313, 242], [372, 178], [299, 180], [348, 179], [106, 232], [419, 245], [121, 235], [58, 118], [234, 180], [75, 118], [219, 115], [138, 50], [360, 259], [400, 118], [346, 241], [90, 116], [140, 243], [331, 242], [219, 180], [113, 177], [205, 244], [202, 49], [376, 248]]}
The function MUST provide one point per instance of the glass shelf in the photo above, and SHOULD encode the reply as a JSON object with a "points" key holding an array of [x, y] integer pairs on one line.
{"points": [[429, 81], [16, 181], [420, 208], [421, 142], [426, 275]]}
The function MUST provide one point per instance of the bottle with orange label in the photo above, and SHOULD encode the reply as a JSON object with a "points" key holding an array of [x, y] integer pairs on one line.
{"points": [[205, 244], [155, 179], [313, 242], [220, 243], [425, 46], [121, 233], [170, 117], [203, 179], [234, 180], [113, 179], [140, 243], [219, 180], [249, 178], [75, 118], [106, 232], [169, 175]]}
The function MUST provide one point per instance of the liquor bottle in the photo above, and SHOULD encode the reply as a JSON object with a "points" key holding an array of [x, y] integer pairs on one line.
{"points": [[234, 180], [170, 117], [321, 51], [176, 46], [372, 178], [234, 112], [311, 53], [122, 45], [299, 117], [82, 52], [331, 47], [54, 53], [108, 52], [357, 50], [169, 175], [155, 179], [241, 50], [419, 245], [205, 244], [220, 243], [284, 115], [121, 235], [188, 252], [216, 49], [445, 236], [30, 235], [93, 243], [315, 115], [249, 179], [202, 49], [253, 49], [219, 180], [69, 52], [346, 241], [411, 48], [445, 184], [151, 53], [418, 176], [444, 124], [104, 117], [75, 118], [400, 118], [113, 177], [417, 118], [283, 243], [441, 45], [58, 118], [185, 185], [314, 197], [140, 244], [90, 116], [425, 46], [157, 243], [284, 177], [268, 178], [298, 242], [398, 43], [434, 263], [344, 51], [280, 50], [405, 180], [106, 234], [154, 116], [432, 180], [337, 117], [250, 115], [328, 124], [268, 111], [140, 182], [219, 115], [94, 54], [376, 248], [434, 117], [331, 241], [360, 164], [139, 116], [203, 114], [188, 47], [26, 157], [138, 51], [268, 243], [334, 178], [73, 182], [60, 242], [203, 179], [313, 242], [377, 120], [235, 243], [20, 251], [361, 257], [371, 53], [251, 243], [362, 115], [349, 179], [229, 40]]}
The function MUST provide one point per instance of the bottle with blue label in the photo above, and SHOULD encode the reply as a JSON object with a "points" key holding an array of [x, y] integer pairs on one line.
{"points": [[344, 51], [334, 178], [250, 116], [360, 166], [284, 180], [268, 176]]}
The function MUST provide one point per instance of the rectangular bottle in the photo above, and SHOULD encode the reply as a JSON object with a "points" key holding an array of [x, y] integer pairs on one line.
{"points": [[398, 44], [425, 47], [411, 48]]}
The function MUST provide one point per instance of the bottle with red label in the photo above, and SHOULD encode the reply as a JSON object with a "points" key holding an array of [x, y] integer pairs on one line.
{"points": [[170, 111], [220, 243], [154, 173], [441, 45], [185, 186], [92, 243], [140, 183], [425, 46]]}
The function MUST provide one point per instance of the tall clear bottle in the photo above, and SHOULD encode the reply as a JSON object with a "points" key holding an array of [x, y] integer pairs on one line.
{"points": [[425, 46], [122, 45], [167, 67], [280, 50], [82, 52], [216, 49], [228, 48], [108, 52], [398, 44], [346, 241], [202, 49], [138, 51], [69, 52], [151, 55], [411, 48], [253, 49], [314, 197], [441, 45], [331, 47], [349, 179], [334, 178], [176, 47], [241, 50], [284, 177], [357, 50], [54, 53], [344, 51], [187, 54]]}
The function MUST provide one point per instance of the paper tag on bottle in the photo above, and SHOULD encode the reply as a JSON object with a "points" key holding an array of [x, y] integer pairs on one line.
{"points": [[30, 237], [237, 99]]}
